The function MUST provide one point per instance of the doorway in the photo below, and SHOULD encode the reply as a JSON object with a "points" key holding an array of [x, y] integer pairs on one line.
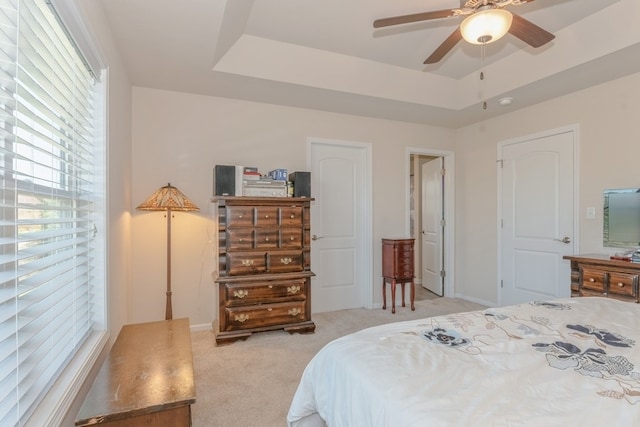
{"points": [[431, 218]]}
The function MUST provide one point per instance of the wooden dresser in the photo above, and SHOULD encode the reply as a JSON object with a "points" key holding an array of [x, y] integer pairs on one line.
{"points": [[598, 275], [397, 267], [146, 380], [264, 281]]}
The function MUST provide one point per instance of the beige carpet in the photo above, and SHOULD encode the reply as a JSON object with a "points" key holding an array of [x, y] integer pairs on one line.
{"points": [[251, 383]]}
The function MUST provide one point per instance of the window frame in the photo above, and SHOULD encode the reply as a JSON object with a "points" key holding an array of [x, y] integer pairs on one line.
{"points": [[53, 408]]}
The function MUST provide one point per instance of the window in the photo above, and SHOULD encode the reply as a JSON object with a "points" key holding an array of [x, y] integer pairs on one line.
{"points": [[52, 293]]}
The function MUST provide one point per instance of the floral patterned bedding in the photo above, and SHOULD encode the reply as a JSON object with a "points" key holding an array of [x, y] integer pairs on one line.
{"points": [[557, 363]]}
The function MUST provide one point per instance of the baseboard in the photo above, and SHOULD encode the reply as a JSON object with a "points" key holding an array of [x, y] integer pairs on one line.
{"points": [[476, 300], [201, 327]]}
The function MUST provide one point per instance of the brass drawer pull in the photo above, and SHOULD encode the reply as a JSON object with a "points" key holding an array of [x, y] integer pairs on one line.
{"points": [[620, 285], [293, 289], [293, 216], [266, 216], [592, 280], [266, 239], [294, 311], [270, 286], [286, 260], [292, 239], [242, 318], [240, 240], [247, 262], [240, 293]]}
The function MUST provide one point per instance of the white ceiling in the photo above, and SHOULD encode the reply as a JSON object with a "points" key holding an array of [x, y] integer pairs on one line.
{"points": [[326, 54]]}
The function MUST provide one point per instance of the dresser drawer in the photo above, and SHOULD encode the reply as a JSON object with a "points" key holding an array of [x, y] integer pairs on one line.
{"points": [[291, 216], [593, 279], [404, 251], [239, 239], [266, 216], [291, 238], [264, 292], [266, 238], [240, 263], [625, 284], [239, 216], [405, 273], [284, 261], [265, 315]]}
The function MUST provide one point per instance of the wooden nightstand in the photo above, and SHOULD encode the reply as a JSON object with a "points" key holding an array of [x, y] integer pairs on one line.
{"points": [[397, 267]]}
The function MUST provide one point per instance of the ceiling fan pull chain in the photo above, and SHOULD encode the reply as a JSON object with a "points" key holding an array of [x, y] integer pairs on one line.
{"points": [[482, 84]]}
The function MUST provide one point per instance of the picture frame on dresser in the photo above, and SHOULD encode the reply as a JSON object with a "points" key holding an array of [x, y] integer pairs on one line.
{"points": [[264, 266]]}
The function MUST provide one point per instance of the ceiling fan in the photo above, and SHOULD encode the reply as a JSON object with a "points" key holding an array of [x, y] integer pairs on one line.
{"points": [[490, 14]]}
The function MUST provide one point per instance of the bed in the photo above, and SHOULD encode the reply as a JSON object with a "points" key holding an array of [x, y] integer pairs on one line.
{"points": [[565, 362]]}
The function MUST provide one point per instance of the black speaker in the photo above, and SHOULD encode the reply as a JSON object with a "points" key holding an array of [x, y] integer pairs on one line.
{"points": [[301, 183], [224, 180]]}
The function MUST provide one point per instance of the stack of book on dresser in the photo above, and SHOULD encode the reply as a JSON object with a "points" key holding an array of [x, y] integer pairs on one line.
{"points": [[255, 184]]}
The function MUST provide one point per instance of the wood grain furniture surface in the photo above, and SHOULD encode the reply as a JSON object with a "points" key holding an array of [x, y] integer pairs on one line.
{"points": [[264, 249], [146, 380], [598, 275], [397, 267]]}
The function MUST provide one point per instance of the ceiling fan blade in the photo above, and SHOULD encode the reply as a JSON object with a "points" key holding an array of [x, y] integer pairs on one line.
{"points": [[529, 32], [445, 47], [405, 19]]}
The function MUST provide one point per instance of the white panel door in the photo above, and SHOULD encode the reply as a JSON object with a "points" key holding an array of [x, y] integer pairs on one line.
{"points": [[338, 174], [537, 217], [432, 217]]}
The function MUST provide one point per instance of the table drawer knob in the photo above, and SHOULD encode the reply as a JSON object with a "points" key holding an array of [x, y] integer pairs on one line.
{"points": [[293, 216], [620, 285], [592, 280]]}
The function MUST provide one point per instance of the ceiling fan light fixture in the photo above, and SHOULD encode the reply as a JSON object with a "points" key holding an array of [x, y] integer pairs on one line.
{"points": [[486, 26]]}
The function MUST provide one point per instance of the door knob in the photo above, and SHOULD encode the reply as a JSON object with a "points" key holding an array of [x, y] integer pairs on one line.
{"points": [[314, 237], [565, 239]]}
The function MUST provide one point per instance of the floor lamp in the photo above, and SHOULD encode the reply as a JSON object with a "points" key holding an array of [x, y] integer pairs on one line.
{"points": [[168, 198]]}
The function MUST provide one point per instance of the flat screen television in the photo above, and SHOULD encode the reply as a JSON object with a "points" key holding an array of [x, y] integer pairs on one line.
{"points": [[621, 217]]}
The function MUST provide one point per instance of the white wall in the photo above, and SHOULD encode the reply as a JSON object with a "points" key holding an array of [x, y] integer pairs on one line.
{"points": [[179, 137], [609, 149]]}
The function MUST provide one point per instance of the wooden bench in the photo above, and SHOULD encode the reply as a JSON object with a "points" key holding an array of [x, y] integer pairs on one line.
{"points": [[147, 379]]}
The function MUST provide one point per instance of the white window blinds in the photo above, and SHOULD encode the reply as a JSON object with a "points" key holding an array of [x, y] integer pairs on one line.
{"points": [[51, 284]]}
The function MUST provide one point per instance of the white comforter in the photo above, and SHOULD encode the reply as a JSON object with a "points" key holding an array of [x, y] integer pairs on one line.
{"points": [[569, 362]]}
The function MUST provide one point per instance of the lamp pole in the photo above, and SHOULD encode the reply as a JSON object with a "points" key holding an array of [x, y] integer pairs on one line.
{"points": [[168, 311]]}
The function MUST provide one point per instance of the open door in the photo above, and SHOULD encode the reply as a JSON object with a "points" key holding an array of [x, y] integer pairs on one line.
{"points": [[432, 225]]}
